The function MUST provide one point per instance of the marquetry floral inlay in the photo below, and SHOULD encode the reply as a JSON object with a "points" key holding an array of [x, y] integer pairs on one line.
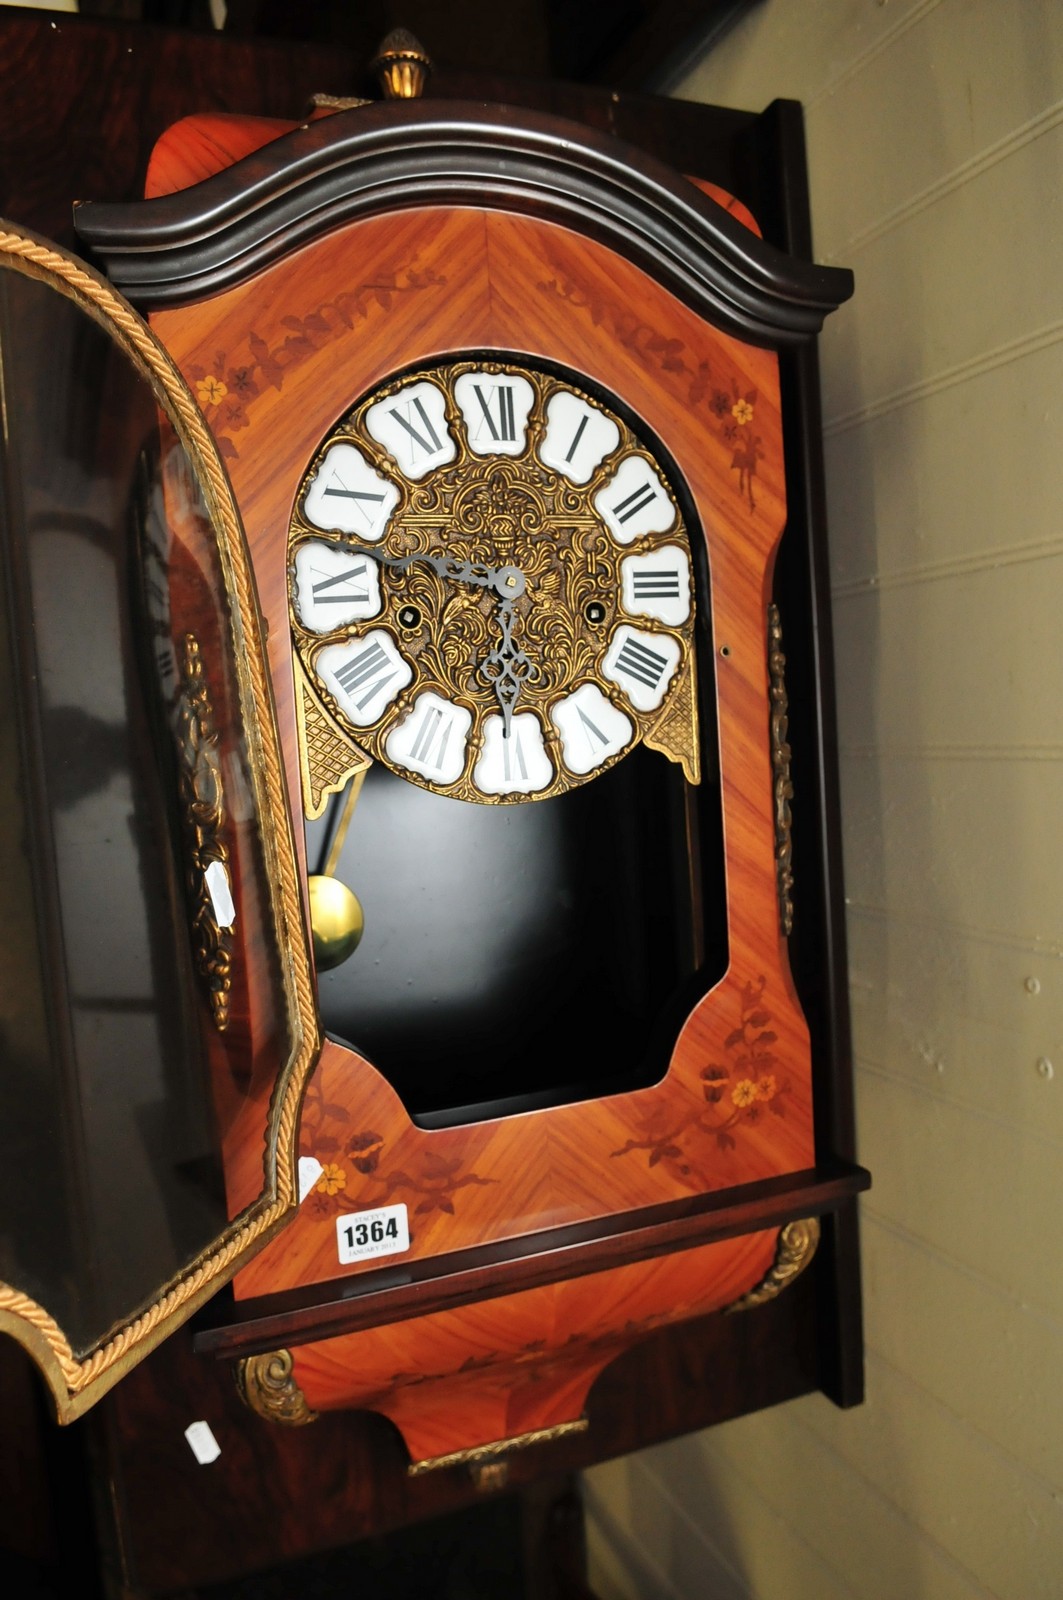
{"points": [[738, 1090], [351, 1159], [730, 408], [234, 378]]}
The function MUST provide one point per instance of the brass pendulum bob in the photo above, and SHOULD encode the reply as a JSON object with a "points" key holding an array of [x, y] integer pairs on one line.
{"points": [[336, 918]]}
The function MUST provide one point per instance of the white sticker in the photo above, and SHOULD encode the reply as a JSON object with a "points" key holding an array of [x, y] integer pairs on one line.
{"points": [[202, 1443], [221, 895], [310, 1170], [363, 1234]]}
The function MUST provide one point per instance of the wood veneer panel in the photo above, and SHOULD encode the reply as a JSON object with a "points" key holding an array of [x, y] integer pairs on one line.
{"points": [[459, 1379], [431, 282]]}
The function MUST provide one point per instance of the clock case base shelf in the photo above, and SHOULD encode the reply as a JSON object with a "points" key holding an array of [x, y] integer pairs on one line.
{"points": [[230, 1329]]}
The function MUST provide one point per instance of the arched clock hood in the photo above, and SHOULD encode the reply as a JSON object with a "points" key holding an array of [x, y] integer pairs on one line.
{"points": [[361, 163]]}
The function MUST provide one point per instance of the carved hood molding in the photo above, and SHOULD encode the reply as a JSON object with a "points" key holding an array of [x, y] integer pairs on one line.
{"points": [[377, 158]]}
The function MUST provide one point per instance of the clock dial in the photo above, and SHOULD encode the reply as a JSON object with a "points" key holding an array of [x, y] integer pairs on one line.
{"points": [[502, 605]]}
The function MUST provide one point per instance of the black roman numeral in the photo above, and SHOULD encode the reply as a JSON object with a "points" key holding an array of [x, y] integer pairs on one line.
{"points": [[505, 432], [592, 729], [349, 494], [435, 724], [579, 435], [512, 752], [429, 448], [638, 661], [633, 503], [322, 598], [655, 583], [370, 663]]}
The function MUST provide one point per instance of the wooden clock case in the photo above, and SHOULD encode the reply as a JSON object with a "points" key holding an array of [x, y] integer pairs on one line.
{"points": [[544, 1240]]}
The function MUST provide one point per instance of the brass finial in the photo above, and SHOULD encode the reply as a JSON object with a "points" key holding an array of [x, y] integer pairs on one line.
{"points": [[402, 65]]}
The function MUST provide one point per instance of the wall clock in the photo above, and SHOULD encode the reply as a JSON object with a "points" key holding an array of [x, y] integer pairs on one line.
{"points": [[568, 1094], [498, 404]]}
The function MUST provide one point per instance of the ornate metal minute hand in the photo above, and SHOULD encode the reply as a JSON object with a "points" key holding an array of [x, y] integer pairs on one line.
{"points": [[507, 668]]}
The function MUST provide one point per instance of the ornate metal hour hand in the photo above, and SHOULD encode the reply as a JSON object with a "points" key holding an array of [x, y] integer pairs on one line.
{"points": [[507, 582], [507, 668]]}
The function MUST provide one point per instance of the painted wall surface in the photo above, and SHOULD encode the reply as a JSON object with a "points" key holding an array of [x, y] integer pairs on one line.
{"points": [[935, 134]]}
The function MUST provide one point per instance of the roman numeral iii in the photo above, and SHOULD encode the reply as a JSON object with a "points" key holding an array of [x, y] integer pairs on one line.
{"points": [[655, 583]]}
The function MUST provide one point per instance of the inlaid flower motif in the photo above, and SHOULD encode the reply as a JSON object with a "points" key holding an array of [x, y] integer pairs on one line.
{"points": [[742, 412], [332, 1179], [211, 390], [766, 1087], [744, 1093]]}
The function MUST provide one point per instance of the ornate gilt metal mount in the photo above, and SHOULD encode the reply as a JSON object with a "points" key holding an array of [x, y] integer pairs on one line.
{"points": [[795, 1249], [479, 1456], [203, 799], [327, 759], [267, 1386], [780, 766]]}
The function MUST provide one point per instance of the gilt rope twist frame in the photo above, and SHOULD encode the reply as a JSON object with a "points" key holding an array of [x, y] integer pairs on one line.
{"points": [[77, 1381]]}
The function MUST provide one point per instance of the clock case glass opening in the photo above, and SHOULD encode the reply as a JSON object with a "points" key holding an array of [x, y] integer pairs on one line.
{"points": [[518, 956]]}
